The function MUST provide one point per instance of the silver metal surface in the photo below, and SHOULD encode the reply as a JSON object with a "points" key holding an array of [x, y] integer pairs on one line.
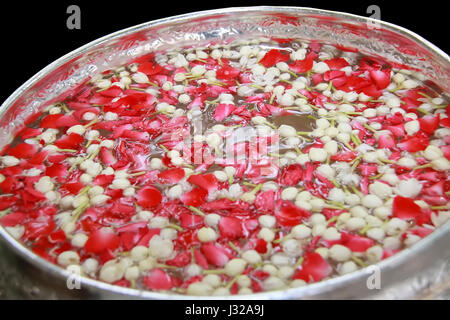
{"points": [[408, 274]]}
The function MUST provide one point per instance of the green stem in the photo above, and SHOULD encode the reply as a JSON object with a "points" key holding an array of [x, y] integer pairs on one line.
{"points": [[299, 262], [175, 226], [79, 211], [272, 97], [377, 176], [422, 166], [232, 246], [67, 150], [337, 204], [5, 212], [292, 73], [332, 219], [438, 207], [91, 123], [364, 230], [297, 149], [329, 206], [387, 161], [257, 87], [64, 107], [348, 146], [197, 211], [359, 193], [336, 184], [73, 166], [89, 143], [137, 174], [359, 261], [368, 127], [270, 125], [84, 191], [279, 240], [248, 184], [163, 147], [94, 154], [354, 165], [399, 87], [423, 94], [423, 111], [257, 188], [230, 284], [346, 190]]}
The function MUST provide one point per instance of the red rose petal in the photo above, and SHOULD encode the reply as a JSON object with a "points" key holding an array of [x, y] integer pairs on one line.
{"points": [[302, 66], [100, 240], [56, 170], [150, 68], [405, 208], [206, 181], [148, 197], [195, 197], [261, 246], [57, 121], [158, 279], [106, 156], [223, 110], [171, 176], [23, 150], [356, 243], [215, 254], [336, 63], [446, 151], [272, 57], [414, 144], [30, 133], [190, 221], [386, 141], [381, 78], [288, 214], [71, 141], [103, 180], [73, 187], [445, 122], [265, 201], [429, 124], [231, 228], [227, 73], [291, 175], [201, 259], [13, 219], [181, 260], [314, 268]]}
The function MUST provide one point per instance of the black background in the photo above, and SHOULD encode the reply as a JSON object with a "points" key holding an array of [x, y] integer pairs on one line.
{"points": [[35, 34], [281, 310]]}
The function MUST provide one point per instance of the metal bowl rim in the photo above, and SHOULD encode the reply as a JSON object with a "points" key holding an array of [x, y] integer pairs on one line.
{"points": [[319, 287]]}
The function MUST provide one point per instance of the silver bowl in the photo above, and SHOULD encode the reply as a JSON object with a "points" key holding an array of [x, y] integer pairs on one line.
{"points": [[413, 273]]}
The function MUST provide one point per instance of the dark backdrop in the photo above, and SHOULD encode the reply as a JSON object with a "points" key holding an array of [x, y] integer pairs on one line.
{"points": [[35, 34]]}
